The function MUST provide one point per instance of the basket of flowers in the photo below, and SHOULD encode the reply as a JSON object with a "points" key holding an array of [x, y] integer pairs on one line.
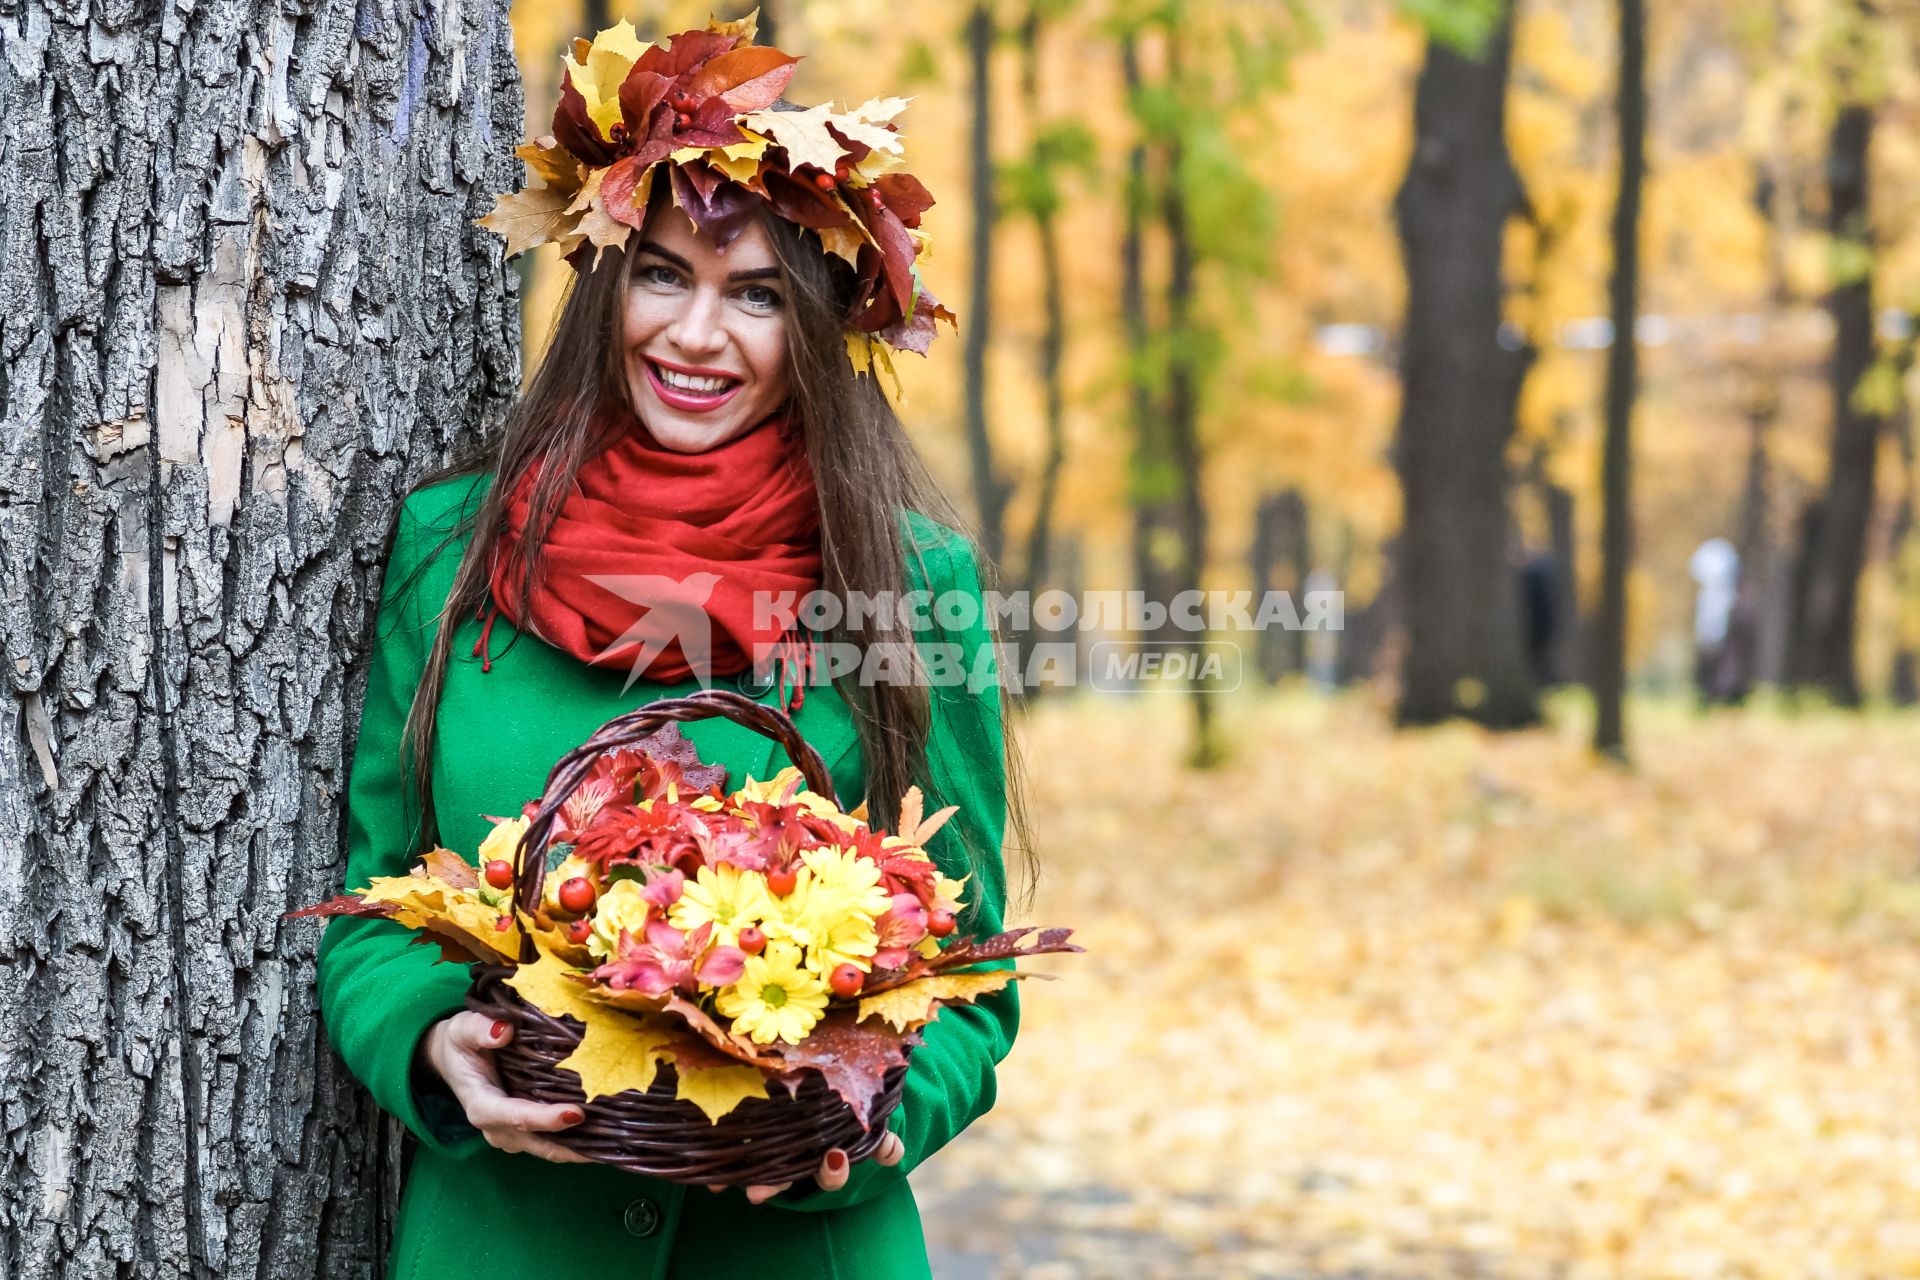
{"points": [[727, 983]]}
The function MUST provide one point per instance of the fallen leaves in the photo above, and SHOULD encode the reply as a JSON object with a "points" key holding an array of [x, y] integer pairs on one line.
{"points": [[1511, 1013]]}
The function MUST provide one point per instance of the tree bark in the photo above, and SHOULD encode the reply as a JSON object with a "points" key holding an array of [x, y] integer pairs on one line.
{"points": [[1459, 597], [1823, 651], [242, 305], [1616, 466]]}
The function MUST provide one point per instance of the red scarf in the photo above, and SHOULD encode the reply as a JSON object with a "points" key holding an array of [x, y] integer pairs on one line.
{"points": [[743, 514]]}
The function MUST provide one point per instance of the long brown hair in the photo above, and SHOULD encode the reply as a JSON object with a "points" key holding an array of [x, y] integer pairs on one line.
{"points": [[866, 471]]}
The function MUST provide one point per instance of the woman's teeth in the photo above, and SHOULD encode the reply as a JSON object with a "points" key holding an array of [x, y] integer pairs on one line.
{"points": [[693, 385]]}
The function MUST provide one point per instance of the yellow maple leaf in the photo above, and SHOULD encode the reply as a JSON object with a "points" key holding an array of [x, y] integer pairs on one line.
{"points": [[553, 164], [531, 217], [746, 28], [544, 984], [915, 1003], [419, 892], [740, 161], [718, 1090], [844, 241], [608, 60], [865, 123], [617, 1052], [803, 133]]}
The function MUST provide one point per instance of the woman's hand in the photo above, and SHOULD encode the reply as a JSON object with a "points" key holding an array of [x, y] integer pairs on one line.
{"points": [[459, 1050], [833, 1171]]}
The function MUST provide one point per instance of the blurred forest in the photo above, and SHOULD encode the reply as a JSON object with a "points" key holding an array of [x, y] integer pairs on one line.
{"points": [[1255, 294], [1177, 235]]}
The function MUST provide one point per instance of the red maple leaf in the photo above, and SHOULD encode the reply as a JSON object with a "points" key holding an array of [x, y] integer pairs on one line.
{"points": [[853, 1057]]}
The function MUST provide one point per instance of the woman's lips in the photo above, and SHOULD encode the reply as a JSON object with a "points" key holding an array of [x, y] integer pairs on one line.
{"points": [[688, 401]]}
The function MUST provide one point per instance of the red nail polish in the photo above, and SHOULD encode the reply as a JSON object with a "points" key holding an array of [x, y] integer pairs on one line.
{"points": [[573, 1115], [836, 1160], [499, 1029]]}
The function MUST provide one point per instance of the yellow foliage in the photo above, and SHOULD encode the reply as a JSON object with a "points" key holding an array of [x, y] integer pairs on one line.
{"points": [[617, 1052], [718, 1090], [914, 1003]]}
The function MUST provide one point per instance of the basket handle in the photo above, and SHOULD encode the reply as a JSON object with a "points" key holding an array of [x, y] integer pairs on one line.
{"points": [[630, 728]]}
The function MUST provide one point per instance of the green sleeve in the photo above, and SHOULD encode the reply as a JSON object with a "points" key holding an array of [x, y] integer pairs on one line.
{"points": [[379, 993], [950, 1079]]}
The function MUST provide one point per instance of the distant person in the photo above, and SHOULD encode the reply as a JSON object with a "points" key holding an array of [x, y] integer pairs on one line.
{"points": [[1715, 567], [1537, 595]]}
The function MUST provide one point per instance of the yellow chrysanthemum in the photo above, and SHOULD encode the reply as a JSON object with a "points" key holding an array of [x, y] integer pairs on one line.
{"points": [[848, 939], [776, 998], [845, 874], [620, 907], [789, 917], [727, 897]]}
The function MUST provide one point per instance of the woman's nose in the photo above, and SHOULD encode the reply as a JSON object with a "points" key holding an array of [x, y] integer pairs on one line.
{"points": [[696, 329]]}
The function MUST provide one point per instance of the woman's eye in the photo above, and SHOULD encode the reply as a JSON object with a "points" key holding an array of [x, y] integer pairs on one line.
{"points": [[760, 297], [654, 273]]}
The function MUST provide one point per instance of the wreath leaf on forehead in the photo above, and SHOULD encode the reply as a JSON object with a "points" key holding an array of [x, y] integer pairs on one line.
{"points": [[697, 112]]}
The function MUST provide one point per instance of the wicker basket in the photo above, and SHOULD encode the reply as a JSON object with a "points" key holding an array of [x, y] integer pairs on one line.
{"points": [[780, 1138]]}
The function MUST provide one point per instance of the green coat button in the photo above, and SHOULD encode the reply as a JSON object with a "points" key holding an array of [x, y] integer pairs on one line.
{"points": [[643, 1218]]}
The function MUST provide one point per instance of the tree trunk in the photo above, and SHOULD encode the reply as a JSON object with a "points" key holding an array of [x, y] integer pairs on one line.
{"points": [[1183, 404], [989, 488], [1823, 654], [1053, 336], [1616, 467], [1458, 592], [244, 306], [1282, 559], [1155, 528]]}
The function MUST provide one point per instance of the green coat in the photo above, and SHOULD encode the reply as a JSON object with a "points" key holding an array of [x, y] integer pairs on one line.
{"points": [[473, 1212]]}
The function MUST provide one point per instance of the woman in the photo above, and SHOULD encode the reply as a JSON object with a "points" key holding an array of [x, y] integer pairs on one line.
{"points": [[697, 436]]}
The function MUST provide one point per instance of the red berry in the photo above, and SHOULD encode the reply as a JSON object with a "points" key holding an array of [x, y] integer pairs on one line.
{"points": [[940, 922], [579, 931], [682, 119], [824, 181], [683, 100], [500, 873], [752, 941], [846, 980], [577, 896], [781, 883]]}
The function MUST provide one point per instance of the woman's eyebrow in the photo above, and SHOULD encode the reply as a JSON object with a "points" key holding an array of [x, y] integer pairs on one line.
{"points": [[757, 273]]}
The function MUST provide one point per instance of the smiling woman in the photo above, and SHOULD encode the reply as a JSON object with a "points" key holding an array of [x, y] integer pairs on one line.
{"points": [[703, 440], [705, 334]]}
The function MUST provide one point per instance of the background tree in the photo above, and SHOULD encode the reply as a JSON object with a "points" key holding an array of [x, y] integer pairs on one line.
{"points": [[245, 306], [1034, 187], [1190, 192], [990, 487], [1835, 550], [1460, 384], [1623, 307]]}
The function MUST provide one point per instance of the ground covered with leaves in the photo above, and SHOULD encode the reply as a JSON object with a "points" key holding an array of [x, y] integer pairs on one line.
{"points": [[1366, 1004]]}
